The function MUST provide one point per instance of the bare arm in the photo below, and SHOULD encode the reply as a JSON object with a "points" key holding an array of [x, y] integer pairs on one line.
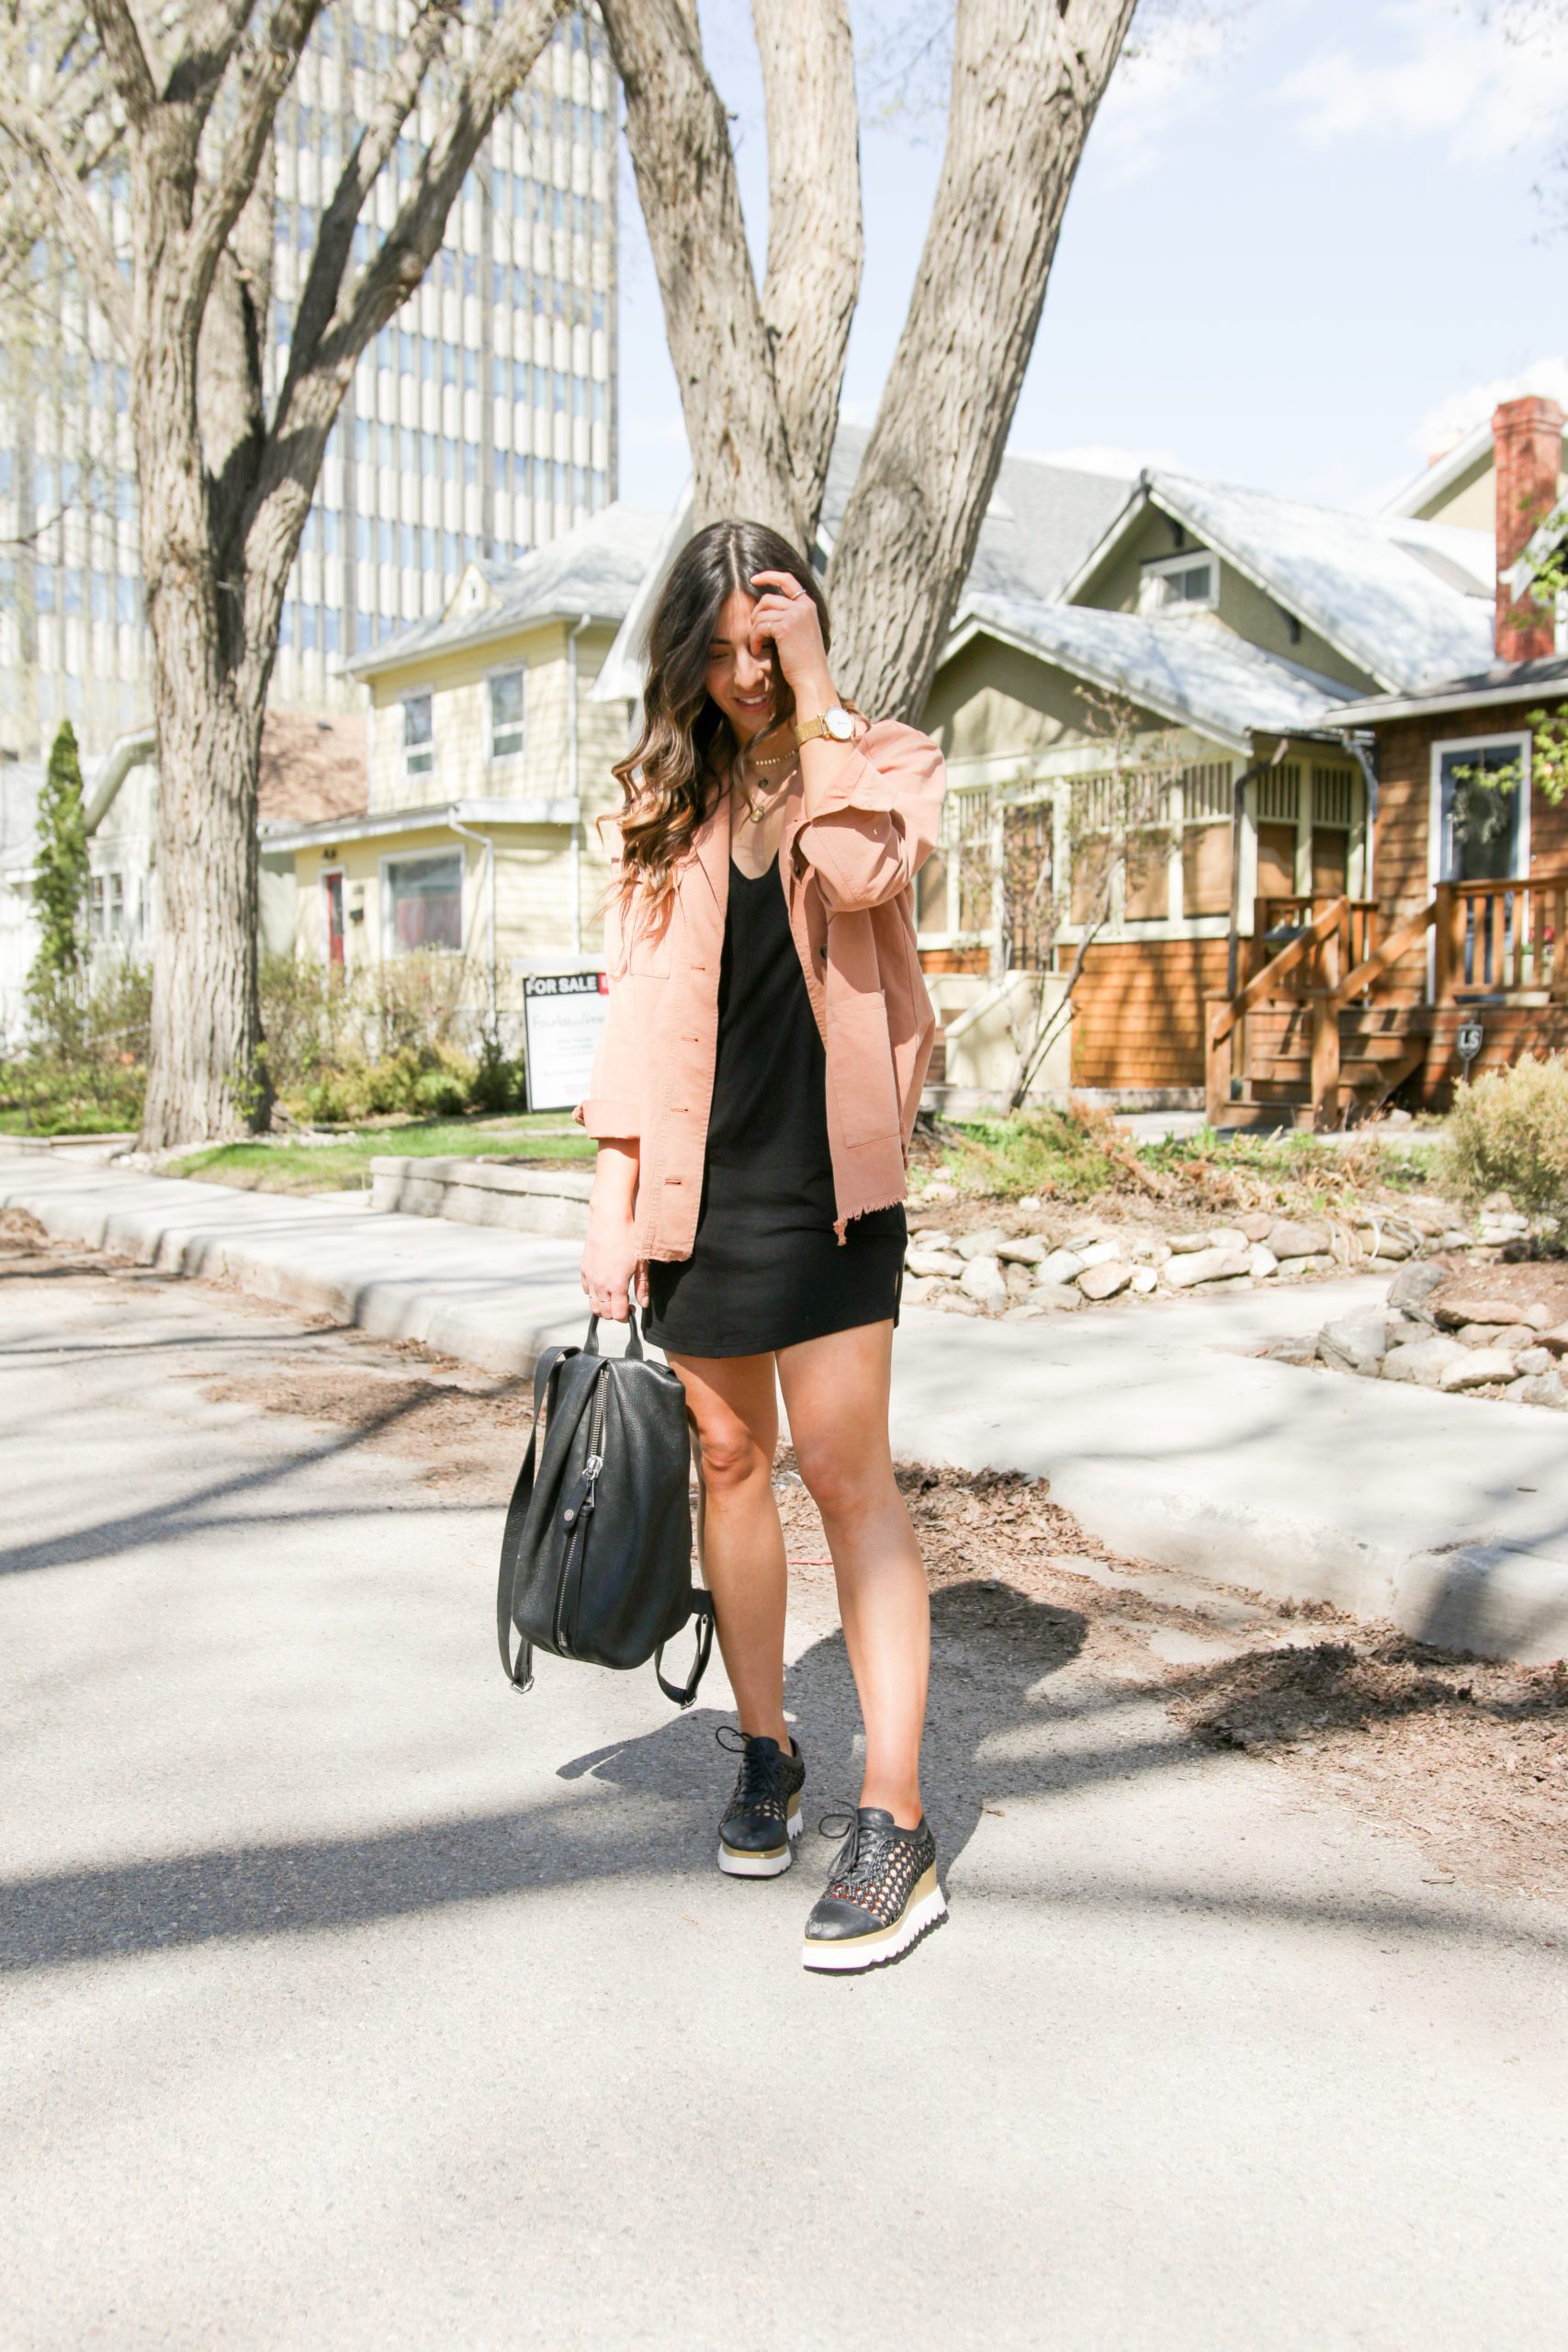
{"points": [[611, 1268]]}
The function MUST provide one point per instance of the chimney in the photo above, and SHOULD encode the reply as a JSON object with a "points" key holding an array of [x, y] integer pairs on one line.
{"points": [[1528, 441]]}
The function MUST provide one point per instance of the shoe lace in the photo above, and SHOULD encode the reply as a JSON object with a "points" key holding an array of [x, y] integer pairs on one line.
{"points": [[754, 1784], [865, 1843]]}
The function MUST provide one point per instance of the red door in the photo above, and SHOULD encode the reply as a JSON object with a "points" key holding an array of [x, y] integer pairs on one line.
{"points": [[333, 884]]}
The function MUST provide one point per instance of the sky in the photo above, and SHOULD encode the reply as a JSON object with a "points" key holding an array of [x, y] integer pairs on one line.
{"points": [[1311, 242]]}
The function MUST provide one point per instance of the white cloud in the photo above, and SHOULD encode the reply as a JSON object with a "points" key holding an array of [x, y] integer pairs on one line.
{"points": [[1452, 417], [1168, 71], [1446, 70]]}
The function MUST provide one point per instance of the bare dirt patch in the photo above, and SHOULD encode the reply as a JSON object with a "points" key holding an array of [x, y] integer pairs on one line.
{"points": [[1521, 1282]]}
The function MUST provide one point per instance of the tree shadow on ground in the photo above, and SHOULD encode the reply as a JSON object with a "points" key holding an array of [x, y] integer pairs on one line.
{"points": [[991, 1650]]}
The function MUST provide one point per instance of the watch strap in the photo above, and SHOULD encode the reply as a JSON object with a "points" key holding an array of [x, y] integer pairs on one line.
{"points": [[805, 729]]}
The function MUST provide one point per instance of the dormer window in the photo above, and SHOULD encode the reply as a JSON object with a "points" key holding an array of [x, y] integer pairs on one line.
{"points": [[419, 735], [1180, 584], [505, 713]]}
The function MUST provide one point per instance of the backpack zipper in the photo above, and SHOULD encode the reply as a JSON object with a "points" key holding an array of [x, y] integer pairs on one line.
{"points": [[576, 1516]]}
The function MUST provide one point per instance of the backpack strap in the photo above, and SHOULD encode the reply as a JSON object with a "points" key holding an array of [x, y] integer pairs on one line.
{"points": [[702, 1610], [521, 1674]]}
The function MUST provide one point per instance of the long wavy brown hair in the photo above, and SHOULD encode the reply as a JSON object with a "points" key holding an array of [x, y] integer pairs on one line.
{"points": [[667, 778]]}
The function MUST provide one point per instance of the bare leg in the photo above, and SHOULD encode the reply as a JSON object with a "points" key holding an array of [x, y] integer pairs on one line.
{"points": [[836, 1392], [734, 1408]]}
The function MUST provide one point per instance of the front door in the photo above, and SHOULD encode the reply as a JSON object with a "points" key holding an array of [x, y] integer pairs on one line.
{"points": [[1482, 812], [332, 885]]}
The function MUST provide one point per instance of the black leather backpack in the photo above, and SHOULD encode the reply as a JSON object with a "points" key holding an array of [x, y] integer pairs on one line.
{"points": [[596, 1559]]}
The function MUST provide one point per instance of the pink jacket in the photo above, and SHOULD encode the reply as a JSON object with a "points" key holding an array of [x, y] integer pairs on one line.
{"points": [[851, 849]]}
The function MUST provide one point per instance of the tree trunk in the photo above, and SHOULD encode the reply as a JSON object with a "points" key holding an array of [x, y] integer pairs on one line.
{"points": [[1026, 83], [679, 139], [207, 1077]]}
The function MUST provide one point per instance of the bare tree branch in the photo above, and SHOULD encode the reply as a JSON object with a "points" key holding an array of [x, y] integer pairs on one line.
{"points": [[265, 74], [83, 232], [679, 138], [334, 239], [1026, 83], [816, 243], [213, 36], [127, 59]]}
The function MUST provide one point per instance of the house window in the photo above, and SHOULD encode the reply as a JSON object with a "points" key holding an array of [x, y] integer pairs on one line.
{"points": [[419, 735], [505, 713], [105, 906], [424, 903], [1482, 810], [1180, 584]]}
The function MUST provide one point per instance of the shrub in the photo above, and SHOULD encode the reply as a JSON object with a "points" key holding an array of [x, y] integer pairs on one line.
{"points": [[1074, 1152], [1508, 1132]]}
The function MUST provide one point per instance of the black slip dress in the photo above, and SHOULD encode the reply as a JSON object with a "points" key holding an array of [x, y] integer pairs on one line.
{"points": [[767, 1270]]}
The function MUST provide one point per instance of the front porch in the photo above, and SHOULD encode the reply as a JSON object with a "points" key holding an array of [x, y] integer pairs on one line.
{"points": [[1339, 1009]]}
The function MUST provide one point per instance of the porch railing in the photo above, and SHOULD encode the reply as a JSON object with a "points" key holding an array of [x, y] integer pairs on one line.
{"points": [[1501, 938], [1337, 945]]}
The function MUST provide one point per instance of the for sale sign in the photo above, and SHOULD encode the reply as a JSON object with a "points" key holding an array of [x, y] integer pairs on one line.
{"points": [[563, 1014]]}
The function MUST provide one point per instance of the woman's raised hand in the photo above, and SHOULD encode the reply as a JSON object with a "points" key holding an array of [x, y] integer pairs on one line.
{"points": [[787, 616]]}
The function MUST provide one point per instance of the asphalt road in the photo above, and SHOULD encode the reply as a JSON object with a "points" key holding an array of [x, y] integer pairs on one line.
{"points": [[349, 2001]]}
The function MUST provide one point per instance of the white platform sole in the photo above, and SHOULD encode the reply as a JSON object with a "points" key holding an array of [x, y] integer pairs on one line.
{"points": [[926, 1912], [735, 1864]]}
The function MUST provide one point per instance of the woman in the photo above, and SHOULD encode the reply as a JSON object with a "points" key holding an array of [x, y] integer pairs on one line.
{"points": [[753, 1095]]}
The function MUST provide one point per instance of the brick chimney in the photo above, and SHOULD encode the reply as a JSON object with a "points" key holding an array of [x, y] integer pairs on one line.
{"points": [[1528, 440]]}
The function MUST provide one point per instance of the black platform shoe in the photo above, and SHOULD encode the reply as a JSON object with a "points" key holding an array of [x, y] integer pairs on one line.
{"points": [[883, 1897], [756, 1837]]}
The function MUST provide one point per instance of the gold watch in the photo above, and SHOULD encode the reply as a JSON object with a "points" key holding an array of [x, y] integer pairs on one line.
{"points": [[836, 724]]}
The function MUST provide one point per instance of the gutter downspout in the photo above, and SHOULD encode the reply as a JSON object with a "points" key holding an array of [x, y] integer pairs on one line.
{"points": [[571, 637], [488, 844]]}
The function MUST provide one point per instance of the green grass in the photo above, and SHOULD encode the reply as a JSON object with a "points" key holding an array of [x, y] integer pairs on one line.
{"points": [[72, 1118], [277, 1165]]}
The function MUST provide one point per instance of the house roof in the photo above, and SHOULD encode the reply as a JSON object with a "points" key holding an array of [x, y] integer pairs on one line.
{"points": [[1503, 683], [312, 769], [1404, 601], [592, 569], [1041, 520], [1189, 673]]}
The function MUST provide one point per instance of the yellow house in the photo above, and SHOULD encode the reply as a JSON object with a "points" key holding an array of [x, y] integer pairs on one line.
{"points": [[488, 764]]}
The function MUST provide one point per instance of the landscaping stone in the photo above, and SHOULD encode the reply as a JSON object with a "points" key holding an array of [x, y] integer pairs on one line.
{"points": [[1511, 1336], [1355, 1343], [1478, 1369], [943, 1264], [1060, 1266], [1206, 1266], [1424, 1362], [1104, 1280], [1027, 1250], [1227, 1282], [1057, 1294], [1391, 1245], [1079, 1242], [1255, 1224], [1145, 1280], [1297, 1347], [1413, 1285], [983, 1242], [1556, 1339], [1292, 1238], [1185, 1243], [1016, 1279], [1100, 1253], [981, 1278], [1540, 1388], [1532, 1360], [914, 1288], [938, 1239], [1261, 1262], [1456, 1238], [1473, 1306], [1320, 1264], [1028, 1310]]}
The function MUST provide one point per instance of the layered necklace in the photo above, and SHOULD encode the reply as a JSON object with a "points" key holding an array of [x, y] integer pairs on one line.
{"points": [[758, 814]]}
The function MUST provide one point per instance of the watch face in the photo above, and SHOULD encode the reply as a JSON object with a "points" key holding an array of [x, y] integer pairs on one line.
{"points": [[840, 725]]}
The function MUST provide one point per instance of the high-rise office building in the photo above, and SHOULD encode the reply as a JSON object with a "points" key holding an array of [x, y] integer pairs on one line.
{"points": [[479, 422]]}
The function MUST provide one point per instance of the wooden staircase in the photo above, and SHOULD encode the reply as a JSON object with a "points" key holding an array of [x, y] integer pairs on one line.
{"points": [[1326, 1029]]}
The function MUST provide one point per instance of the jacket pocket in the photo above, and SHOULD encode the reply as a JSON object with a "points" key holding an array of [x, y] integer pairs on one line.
{"points": [[859, 1069]]}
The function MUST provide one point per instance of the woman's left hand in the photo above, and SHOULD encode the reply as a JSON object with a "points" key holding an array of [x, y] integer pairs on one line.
{"points": [[787, 616]]}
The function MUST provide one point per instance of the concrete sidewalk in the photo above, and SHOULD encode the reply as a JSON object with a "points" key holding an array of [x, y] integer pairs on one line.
{"points": [[1156, 1426]]}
